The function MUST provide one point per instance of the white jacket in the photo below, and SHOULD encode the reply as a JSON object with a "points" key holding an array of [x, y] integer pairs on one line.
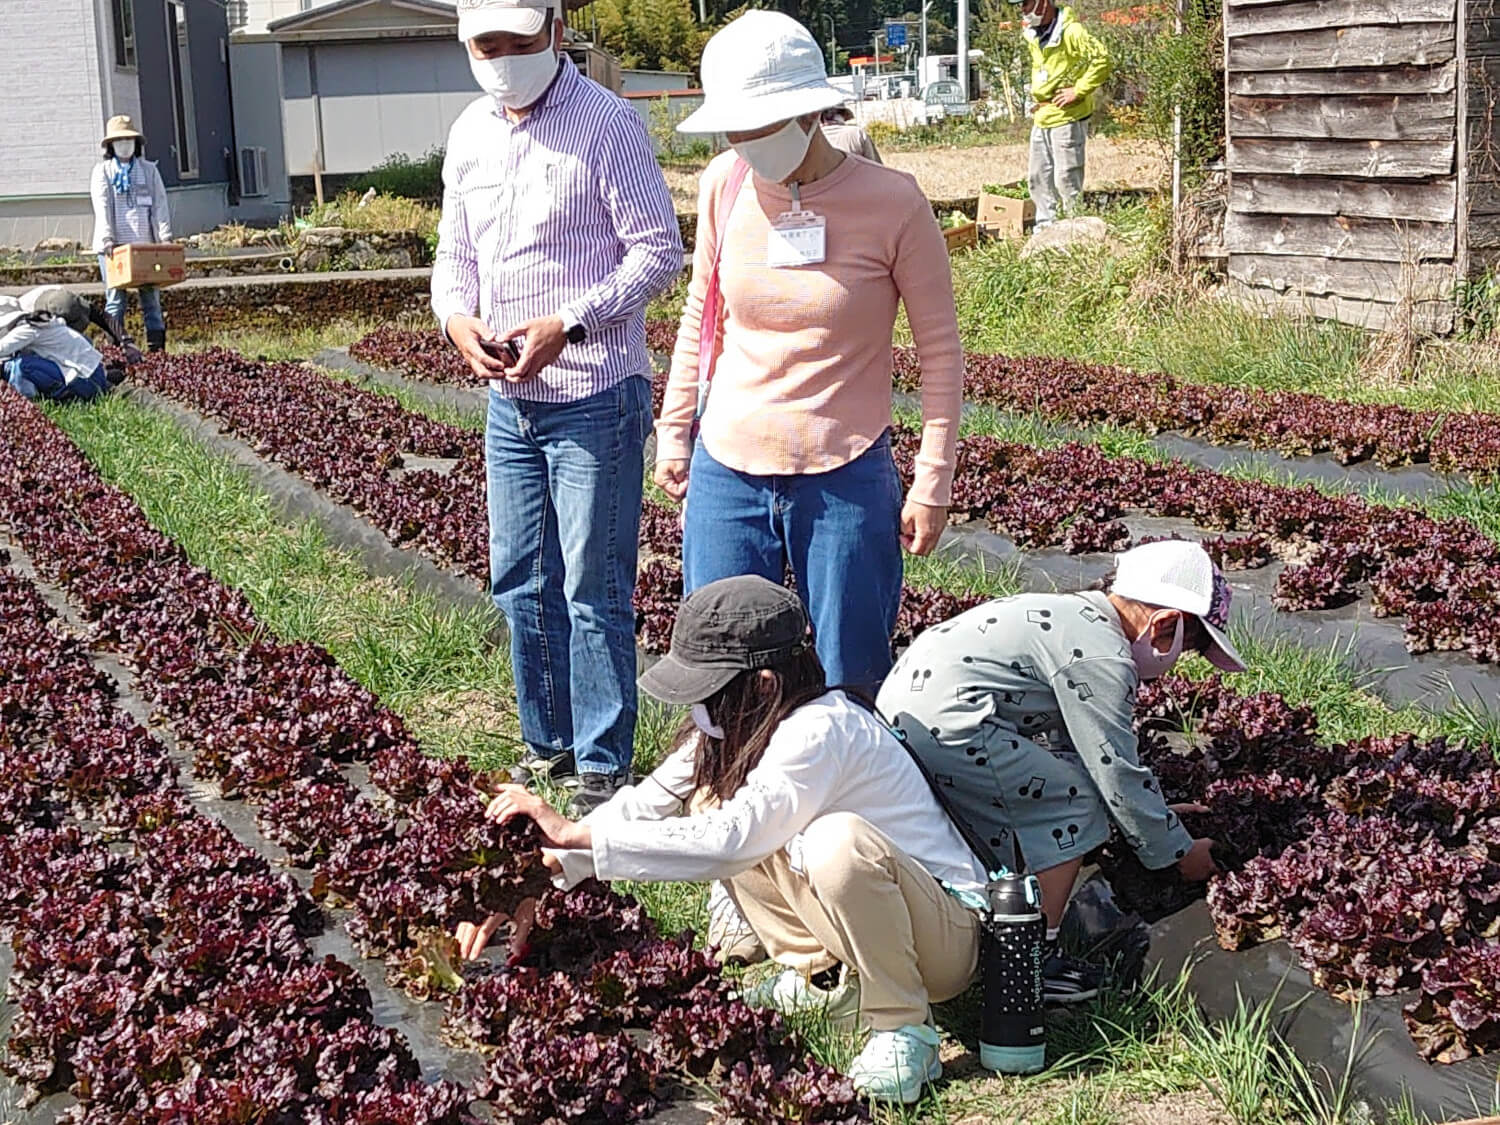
{"points": [[831, 755], [46, 337], [141, 215]]}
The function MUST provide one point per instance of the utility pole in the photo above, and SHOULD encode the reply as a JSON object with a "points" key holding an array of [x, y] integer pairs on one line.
{"points": [[703, 12], [963, 47], [922, 63], [833, 45]]}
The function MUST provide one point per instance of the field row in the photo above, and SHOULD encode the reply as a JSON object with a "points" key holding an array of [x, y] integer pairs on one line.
{"points": [[1441, 576], [1084, 394], [1252, 746], [402, 859]]}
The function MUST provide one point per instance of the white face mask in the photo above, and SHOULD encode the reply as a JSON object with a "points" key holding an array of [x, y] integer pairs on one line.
{"points": [[516, 81], [704, 723], [1150, 663], [776, 156], [123, 150]]}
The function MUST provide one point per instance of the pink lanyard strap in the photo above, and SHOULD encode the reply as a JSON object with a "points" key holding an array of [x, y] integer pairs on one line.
{"points": [[708, 324]]}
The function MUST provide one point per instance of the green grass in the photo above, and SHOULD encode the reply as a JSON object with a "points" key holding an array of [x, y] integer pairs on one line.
{"points": [[291, 341], [1118, 307], [437, 667]]}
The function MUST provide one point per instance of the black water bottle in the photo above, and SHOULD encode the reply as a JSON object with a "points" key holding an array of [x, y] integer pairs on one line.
{"points": [[1012, 1039]]}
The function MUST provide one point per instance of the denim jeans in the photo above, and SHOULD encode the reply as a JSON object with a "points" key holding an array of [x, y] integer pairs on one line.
{"points": [[36, 377], [839, 531], [564, 490], [116, 301]]}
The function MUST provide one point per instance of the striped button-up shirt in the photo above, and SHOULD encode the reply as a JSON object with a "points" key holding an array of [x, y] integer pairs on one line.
{"points": [[562, 213], [135, 216]]}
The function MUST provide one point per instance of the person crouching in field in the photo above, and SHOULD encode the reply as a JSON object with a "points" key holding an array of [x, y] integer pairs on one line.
{"points": [[41, 357], [1024, 708], [813, 814]]}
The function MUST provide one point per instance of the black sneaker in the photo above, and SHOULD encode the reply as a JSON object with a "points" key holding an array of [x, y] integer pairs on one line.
{"points": [[1067, 980], [594, 789], [535, 766]]}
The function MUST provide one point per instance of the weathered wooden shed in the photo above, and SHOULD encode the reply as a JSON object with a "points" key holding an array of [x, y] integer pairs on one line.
{"points": [[1361, 152]]}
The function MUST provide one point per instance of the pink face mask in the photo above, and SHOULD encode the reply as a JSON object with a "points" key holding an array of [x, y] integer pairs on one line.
{"points": [[1150, 663]]}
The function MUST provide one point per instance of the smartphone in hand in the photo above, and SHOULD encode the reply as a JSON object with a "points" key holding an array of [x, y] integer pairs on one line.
{"points": [[507, 352]]}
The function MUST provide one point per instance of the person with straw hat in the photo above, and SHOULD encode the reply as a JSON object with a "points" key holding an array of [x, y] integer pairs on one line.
{"points": [[815, 816], [130, 207], [783, 356]]}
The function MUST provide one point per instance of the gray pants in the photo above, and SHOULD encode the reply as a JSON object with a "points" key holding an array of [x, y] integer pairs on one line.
{"points": [[1056, 173]]}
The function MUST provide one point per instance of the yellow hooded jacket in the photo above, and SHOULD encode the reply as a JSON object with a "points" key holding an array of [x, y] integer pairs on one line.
{"points": [[1069, 57]]}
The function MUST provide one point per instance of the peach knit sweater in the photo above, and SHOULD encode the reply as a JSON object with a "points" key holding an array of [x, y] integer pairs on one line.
{"points": [[803, 379]]}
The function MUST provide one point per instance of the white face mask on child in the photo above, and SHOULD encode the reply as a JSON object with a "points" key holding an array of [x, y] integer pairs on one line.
{"points": [[1150, 663], [124, 150], [705, 723]]}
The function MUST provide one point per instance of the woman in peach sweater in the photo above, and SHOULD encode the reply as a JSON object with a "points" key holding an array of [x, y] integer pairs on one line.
{"points": [[791, 464]]}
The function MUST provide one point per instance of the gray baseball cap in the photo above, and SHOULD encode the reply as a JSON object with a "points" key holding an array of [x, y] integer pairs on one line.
{"points": [[67, 306], [730, 626]]}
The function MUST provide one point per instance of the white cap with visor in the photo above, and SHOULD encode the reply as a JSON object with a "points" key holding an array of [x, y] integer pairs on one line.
{"points": [[511, 17], [1176, 574]]}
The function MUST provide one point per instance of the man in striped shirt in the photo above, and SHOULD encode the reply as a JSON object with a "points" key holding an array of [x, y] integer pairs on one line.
{"points": [[557, 229]]}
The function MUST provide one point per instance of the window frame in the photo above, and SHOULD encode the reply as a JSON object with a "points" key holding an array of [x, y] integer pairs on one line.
{"points": [[122, 17], [180, 81]]}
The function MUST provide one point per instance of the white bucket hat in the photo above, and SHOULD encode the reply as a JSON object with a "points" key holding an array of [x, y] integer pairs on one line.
{"points": [[514, 17], [1176, 574], [763, 68]]}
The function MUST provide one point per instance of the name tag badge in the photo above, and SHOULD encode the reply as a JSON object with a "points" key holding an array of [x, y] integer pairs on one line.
{"points": [[143, 201], [797, 238]]}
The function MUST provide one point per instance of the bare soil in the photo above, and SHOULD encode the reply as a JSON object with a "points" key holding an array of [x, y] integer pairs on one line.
{"points": [[954, 173]]}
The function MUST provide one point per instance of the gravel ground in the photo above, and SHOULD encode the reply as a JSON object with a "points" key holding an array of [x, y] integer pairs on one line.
{"points": [[953, 173]]}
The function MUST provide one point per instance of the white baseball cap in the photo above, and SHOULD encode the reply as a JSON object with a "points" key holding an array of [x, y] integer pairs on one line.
{"points": [[515, 17], [1176, 574], [763, 68]]}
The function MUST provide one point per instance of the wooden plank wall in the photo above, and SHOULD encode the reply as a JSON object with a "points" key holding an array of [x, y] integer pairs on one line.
{"points": [[1482, 103], [1343, 149]]}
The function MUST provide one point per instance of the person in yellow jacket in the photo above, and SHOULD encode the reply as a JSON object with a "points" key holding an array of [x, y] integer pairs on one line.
{"points": [[1067, 66]]}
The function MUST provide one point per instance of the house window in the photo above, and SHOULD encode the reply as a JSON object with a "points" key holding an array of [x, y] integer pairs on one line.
{"points": [[180, 57], [124, 19]]}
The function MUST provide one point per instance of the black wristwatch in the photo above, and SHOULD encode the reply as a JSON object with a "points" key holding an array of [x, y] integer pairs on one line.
{"points": [[577, 334]]}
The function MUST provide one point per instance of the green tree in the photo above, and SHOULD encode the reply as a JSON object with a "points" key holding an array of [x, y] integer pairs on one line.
{"points": [[650, 34]]}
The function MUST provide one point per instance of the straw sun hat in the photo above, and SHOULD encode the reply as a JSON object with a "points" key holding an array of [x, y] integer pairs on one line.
{"points": [[122, 128], [763, 68]]}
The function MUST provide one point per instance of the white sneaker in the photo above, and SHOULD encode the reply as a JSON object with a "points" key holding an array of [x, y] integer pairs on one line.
{"points": [[791, 993], [728, 932], [896, 1065]]}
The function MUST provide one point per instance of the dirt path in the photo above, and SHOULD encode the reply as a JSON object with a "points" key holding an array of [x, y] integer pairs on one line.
{"points": [[952, 173]]}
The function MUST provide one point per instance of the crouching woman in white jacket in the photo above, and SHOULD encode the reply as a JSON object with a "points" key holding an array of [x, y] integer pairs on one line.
{"points": [[814, 816]]}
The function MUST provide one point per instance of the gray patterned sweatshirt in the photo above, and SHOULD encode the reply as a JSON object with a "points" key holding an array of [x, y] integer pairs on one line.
{"points": [[1053, 668]]}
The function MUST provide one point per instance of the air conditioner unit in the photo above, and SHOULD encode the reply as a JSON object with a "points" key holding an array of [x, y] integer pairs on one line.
{"points": [[253, 174]]}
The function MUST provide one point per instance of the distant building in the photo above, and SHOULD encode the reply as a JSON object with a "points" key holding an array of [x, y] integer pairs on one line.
{"points": [[163, 62], [359, 81]]}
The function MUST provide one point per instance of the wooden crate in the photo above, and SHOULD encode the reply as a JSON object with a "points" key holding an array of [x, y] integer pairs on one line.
{"points": [[961, 236], [146, 263]]}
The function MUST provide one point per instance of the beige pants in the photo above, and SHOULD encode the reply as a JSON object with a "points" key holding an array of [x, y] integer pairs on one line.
{"points": [[862, 901]]}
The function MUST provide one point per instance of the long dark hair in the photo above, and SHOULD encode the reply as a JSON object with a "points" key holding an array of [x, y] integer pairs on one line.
{"points": [[749, 709]]}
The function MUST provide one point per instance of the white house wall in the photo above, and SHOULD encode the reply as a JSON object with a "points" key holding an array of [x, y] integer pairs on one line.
{"points": [[377, 99], [50, 96]]}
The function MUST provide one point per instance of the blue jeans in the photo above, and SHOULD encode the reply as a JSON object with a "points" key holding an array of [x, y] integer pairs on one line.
{"points": [[564, 488], [839, 531], [116, 301], [35, 377]]}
